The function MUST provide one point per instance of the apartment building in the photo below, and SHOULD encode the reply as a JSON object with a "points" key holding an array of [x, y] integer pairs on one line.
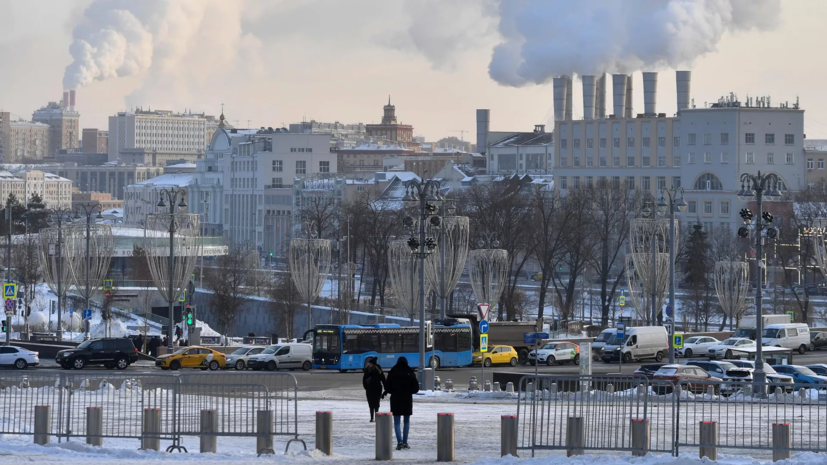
{"points": [[55, 191], [157, 131], [63, 122]]}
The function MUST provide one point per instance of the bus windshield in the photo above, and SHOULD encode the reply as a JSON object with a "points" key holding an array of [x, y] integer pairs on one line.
{"points": [[326, 341]]}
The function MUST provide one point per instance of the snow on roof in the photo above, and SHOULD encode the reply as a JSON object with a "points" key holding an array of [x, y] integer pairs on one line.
{"points": [[364, 147], [182, 165], [172, 179], [405, 176], [815, 144], [113, 212]]}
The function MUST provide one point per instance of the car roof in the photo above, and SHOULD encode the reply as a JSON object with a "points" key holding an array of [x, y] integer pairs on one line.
{"points": [[673, 365], [820, 365]]}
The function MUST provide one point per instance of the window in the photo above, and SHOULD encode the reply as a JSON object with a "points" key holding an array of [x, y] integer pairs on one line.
{"points": [[602, 142], [789, 158], [691, 140], [564, 144], [645, 183], [616, 182], [589, 162], [707, 157], [278, 165], [724, 138], [309, 149], [789, 139], [616, 162], [576, 143], [724, 157], [769, 139], [301, 167], [630, 142], [589, 181], [708, 182], [292, 149], [576, 161], [630, 183], [676, 141], [576, 182], [724, 207], [749, 138], [810, 164], [645, 142], [564, 182], [821, 163], [644, 161], [750, 157], [661, 182], [661, 142], [602, 161], [589, 143], [676, 182], [690, 158], [770, 159], [707, 139], [563, 162], [692, 207], [324, 166], [676, 160], [630, 161], [661, 162], [616, 142]]}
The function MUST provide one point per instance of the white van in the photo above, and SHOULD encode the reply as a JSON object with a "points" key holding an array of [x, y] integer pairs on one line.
{"points": [[639, 343], [283, 356], [600, 342], [794, 336]]}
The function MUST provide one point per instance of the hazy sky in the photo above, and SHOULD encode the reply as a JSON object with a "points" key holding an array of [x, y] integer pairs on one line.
{"points": [[273, 62]]}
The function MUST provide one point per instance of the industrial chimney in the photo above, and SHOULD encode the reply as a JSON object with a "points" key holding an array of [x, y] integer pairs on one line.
{"points": [[629, 113], [483, 120], [600, 101], [683, 80], [71, 100], [589, 91], [619, 94], [560, 93], [569, 99], [65, 102], [650, 93]]}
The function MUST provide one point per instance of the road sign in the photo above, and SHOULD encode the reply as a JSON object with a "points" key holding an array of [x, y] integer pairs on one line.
{"points": [[107, 294], [670, 312], [10, 290], [483, 343], [677, 341], [792, 315], [621, 330], [107, 284], [71, 310], [483, 326], [483, 309], [9, 305], [621, 300], [183, 296], [532, 338], [87, 314]]}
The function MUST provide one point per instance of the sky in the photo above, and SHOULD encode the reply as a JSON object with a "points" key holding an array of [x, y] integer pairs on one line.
{"points": [[275, 62]]}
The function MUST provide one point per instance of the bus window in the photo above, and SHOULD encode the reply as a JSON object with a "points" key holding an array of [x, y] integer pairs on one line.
{"points": [[351, 345], [326, 342], [368, 343], [410, 343], [391, 343], [446, 342], [463, 341]]}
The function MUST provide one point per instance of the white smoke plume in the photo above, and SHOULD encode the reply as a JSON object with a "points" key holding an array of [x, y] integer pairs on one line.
{"points": [[542, 39]]}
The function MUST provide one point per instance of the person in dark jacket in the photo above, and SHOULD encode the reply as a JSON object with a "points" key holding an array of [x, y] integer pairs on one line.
{"points": [[374, 382], [401, 385]]}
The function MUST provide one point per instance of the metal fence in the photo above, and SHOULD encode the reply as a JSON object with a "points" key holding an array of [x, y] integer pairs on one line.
{"points": [[608, 406], [236, 398]]}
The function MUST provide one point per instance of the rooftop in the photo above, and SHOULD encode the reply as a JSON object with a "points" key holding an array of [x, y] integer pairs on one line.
{"points": [[526, 138], [173, 179]]}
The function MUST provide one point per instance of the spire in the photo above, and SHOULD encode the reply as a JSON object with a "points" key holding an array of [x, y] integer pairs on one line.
{"points": [[221, 118], [389, 99]]}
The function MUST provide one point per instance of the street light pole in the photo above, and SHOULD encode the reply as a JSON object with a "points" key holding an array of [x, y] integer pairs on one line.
{"points": [[88, 209], [59, 215], [172, 196], [674, 205]]}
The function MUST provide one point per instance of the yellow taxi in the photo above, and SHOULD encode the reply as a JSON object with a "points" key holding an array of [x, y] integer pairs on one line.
{"points": [[192, 357], [497, 355]]}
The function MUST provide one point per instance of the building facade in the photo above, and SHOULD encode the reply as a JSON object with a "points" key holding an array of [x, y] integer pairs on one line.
{"points": [[390, 129], [108, 178], [522, 153], [28, 142], [365, 159], [161, 131], [63, 122], [55, 191], [95, 141], [104, 199], [142, 198]]}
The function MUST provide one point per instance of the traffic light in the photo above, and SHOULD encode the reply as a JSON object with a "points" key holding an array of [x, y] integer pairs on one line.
{"points": [[5, 328], [271, 254], [190, 319]]}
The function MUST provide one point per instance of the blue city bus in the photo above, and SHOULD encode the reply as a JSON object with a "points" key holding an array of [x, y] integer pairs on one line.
{"points": [[347, 347]]}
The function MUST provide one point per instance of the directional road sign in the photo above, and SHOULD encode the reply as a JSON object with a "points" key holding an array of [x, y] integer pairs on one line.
{"points": [[71, 310], [677, 341], [9, 305], [87, 314], [10, 290], [792, 315], [483, 343], [670, 312], [483, 326], [532, 338]]}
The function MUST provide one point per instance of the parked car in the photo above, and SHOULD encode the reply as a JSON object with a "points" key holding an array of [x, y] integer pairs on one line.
{"points": [[18, 357], [772, 375], [556, 352], [818, 340], [696, 379], [192, 357], [697, 345], [288, 356], [238, 359], [497, 355], [819, 368], [802, 376], [725, 348], [649, 369], [794, 336], [733, 375], [110, 352]]}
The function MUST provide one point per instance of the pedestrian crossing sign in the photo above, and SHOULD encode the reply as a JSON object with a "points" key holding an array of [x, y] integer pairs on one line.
{"points": [[621, 300], [792, 316], [183, 296], [677, 341], [10, 290], [107, 284], [483, 343]]}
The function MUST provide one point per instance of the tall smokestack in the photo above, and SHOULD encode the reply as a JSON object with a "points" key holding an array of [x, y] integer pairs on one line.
{"points": [[71, 100], [619, 94], [600, 104], [65, 102], [650, 93], [560, 84], [629, 109], [483, 120], [684, 80], [569, 99], [589, 91]]}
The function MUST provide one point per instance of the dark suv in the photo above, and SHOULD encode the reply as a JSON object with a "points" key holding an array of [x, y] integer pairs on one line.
{"points": [[110, 352]]}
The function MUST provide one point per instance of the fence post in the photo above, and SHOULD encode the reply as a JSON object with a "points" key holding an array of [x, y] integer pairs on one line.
{"points": [[640, 437], [508, 438], [324, 432], [264, 430], [384, 435], [781, 441], [151, 429], [709, 440], [445, 437], [209, 424], [94, 426], [575, 436], [42, 424]]}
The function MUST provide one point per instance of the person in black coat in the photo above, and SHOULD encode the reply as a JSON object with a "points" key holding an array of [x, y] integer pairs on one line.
{"points": [[401, 385], [374, 383]]}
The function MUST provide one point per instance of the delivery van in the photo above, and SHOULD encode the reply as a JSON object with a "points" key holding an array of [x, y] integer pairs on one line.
{"points": [[794, 336], [639, 343]]}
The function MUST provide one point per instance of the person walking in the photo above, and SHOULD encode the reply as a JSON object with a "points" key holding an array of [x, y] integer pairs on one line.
{"points": [[374, 383], [401, 385]]}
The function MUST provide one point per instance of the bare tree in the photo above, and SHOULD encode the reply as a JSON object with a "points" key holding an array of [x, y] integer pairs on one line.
{"points": [[576, 251], [227, 280], [26, 262], [548, 223], [286, 303], [319, 207]]}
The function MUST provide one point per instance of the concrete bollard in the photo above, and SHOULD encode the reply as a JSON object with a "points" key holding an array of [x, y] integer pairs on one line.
{"points": [[710, 391], [509, 387], [437, 383], [802, 393], [209, 426], [508, 435], [384, 436], [151, 429], [428, 379], [42, 424], [748, 390], [472, 384], [529, 387], [324, 432], [552, 390], [781, 441], [575, 436], [449, 385], [264, 432], [445, 437], [94, 426], [497, 386], [778, 391], [709, 439], [487, 386], [640, 437], [610, 388]]}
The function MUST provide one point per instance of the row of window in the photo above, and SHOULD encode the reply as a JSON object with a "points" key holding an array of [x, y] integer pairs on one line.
{"points": [[811, 164], [645, 182], [301, 166], [749, 138], [630, 161], [692, 207], [301, 149]]}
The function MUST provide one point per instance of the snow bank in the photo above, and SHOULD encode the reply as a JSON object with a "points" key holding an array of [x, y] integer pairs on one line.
{"points": [[651, 459]]}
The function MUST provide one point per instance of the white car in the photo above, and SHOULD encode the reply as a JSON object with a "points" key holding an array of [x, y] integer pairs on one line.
{"points": [[238, 359], [18, 357], [697, 345], [726, 348], [555, 352]]}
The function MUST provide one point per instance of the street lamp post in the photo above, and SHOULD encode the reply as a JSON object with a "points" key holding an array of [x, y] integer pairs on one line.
{"points": [[88, 209], [758, 186], [425, 196], [9, 206], [206, 216], [653, 214], [59, 215], [172, 196], [676, 203]]}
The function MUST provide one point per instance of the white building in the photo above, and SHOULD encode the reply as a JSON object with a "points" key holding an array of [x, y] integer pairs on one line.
{"points": [[142, 198], [159, 130], [55, 191]]}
